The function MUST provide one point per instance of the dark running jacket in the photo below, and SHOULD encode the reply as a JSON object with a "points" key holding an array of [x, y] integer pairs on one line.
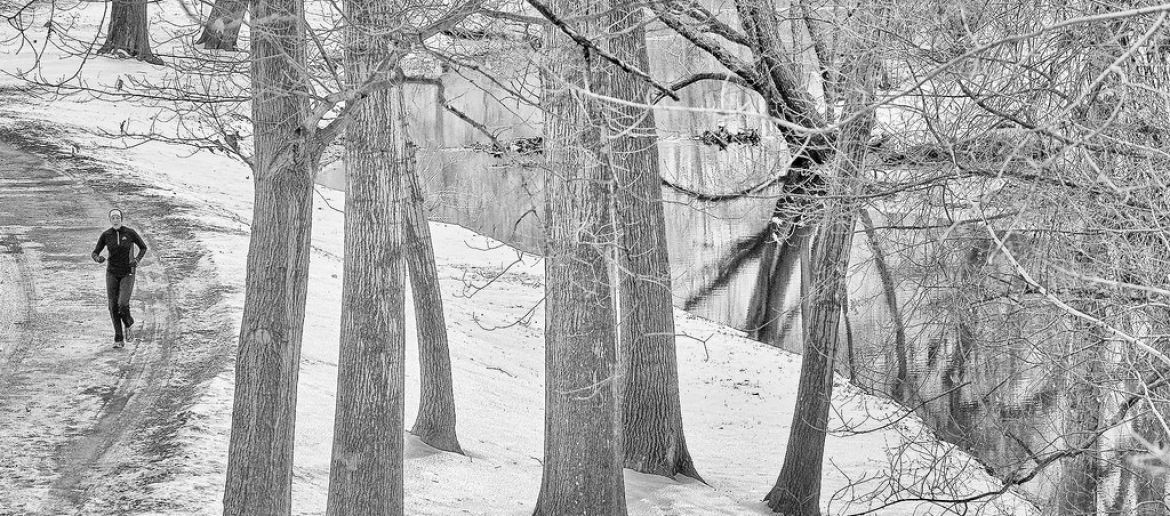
{"points": [[118, 241]]}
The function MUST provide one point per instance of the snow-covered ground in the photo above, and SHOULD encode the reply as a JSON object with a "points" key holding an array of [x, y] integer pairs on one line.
{"points": [[737, 394]]}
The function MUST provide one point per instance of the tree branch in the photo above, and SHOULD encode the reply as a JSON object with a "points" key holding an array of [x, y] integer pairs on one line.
{"points": [[589, 45]]}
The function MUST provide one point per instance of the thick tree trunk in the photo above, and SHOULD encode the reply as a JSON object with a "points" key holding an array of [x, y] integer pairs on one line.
{"points": [[435, 423], [221, 31], [259, 471], [582, 444], [651, 411], [365, 474], [798, 488], [901, 390], [129, 32]]}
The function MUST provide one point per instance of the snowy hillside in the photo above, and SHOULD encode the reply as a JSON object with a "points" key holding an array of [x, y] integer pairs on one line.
{"points": [[737, 395]]}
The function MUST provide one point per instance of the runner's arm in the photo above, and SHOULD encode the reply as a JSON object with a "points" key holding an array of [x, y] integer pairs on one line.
{"points": [[141, 245], [101, 243]]}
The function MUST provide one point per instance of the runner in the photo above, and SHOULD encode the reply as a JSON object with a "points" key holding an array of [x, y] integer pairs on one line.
{"points": [[119, 272]]}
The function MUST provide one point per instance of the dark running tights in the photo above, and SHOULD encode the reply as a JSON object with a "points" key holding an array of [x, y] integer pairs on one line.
{"points": [[118, 290]]}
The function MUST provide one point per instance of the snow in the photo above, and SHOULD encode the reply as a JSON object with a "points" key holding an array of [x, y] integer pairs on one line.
{"points": [[737, 394]]}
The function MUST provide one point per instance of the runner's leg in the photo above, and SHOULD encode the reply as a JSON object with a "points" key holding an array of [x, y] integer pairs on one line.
{"points": [[113, 285], [125, 290]]}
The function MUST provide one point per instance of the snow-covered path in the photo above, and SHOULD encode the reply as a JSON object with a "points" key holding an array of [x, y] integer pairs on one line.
{"points": [[79, 416]]}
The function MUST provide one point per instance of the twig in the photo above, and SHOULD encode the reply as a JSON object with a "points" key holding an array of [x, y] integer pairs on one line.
{"points": [[494, 368]]}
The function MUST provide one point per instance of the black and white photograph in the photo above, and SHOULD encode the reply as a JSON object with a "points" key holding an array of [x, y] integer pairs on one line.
{"points": [[584, 257]]}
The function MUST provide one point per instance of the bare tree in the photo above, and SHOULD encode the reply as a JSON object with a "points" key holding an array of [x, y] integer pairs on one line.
{"points": [[365, 475], [435, 423], [259, 472], [129, 32], [798, 488], [582, 471], [651, 411]]}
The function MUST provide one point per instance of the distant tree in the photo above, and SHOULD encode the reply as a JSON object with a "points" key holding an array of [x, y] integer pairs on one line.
{"points": [[222, 28], [582, 471], [129, 32], [435, 423]]}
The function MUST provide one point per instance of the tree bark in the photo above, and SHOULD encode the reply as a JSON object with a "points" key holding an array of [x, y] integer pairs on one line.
{"points": [[653, 436], [222, 29], [129, 32], [798, 488], [365, 474], [435, 423], [260, 451], [582, 471]]}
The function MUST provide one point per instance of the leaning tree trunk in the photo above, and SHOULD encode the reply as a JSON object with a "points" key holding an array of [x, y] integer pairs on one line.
{"points": [[260, 451], [798, 488], [365, 474], [129, 32], [221, 31], [651, 411], [435, 423], [582, 471]]}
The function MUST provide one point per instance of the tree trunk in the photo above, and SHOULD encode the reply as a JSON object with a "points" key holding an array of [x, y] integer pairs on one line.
{"points": [[365, 474], [901, 390], [651, 411], [798, 488], [260, 451], [129, 32], [222, 29], [435, 423], [582, 451]]}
